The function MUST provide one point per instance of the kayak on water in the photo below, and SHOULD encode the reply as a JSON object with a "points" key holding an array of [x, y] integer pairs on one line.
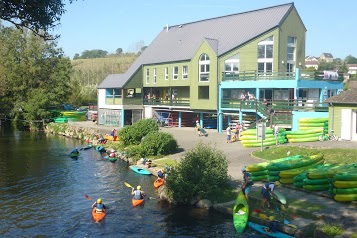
{"points": [[137, 202], [98, 217]]}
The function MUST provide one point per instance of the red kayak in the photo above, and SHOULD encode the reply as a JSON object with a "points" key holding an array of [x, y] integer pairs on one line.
{"points": [[98, 217], [137, 202], [158, 182]]}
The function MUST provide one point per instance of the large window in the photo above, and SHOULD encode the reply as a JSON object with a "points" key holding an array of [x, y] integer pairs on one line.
{"points": [[231, 65], [112, 93], [203, 92], [147, 76], [265, 56], [175, 73], [155, 76], [166, 73], [184, 72], [204, 68], [291, 49]]}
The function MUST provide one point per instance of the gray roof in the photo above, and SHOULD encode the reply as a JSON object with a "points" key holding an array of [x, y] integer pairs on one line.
{"points": [[223, 34], [345, 97], [113, 81]]}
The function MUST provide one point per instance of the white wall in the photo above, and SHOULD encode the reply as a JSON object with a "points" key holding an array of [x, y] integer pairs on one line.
{"points": [[101, 101]]}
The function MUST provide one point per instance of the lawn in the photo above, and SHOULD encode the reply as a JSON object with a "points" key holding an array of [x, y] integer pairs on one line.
{"points": [[330, 155]]}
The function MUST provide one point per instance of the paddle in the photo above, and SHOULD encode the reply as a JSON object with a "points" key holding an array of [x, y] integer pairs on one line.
{"points": [[129, 186], [286, 222], [89, 198]]}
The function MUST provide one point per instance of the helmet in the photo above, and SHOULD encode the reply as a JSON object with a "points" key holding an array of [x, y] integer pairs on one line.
{"points": [[271, 218], [99, 200], [276, 183], [138, 187], [244, 169]]}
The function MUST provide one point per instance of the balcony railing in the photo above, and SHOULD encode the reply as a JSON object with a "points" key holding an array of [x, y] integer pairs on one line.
{"points": [[277, 105], [281, 75], [163, 102]]}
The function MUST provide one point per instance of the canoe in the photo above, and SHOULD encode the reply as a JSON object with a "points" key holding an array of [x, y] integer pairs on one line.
{"points": [[345, 184], [263, 165], [345, 197], [262, 229], [318, 187], [290, 173], [316, 181], [297, 163], [139, 170], [346, 176], [98, 217], [137, 202], [279, 196], [240, 213], [74, 154], [344, 190], [86, 147], [158, 183]]}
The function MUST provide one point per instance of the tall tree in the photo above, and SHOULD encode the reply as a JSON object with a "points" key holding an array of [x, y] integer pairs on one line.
{"points": [[351, 60], [39, 16], [34, 74]]}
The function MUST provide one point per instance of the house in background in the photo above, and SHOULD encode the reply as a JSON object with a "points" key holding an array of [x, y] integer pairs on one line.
{"points": [[312, 61], [352, 68], [199, 70], [343, 114], [327, 57]]}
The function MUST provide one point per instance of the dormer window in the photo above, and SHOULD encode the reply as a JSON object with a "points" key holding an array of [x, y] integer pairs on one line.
{"points": [[204, 65]]}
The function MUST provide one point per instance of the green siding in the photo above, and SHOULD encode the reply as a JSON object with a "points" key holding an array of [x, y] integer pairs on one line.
{"points": [[136, 80], [204, 104], [335, 119]]}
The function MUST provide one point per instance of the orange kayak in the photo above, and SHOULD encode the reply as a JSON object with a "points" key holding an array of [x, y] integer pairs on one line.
{"points": [[158, 182], [98, 217], [137, 202]]}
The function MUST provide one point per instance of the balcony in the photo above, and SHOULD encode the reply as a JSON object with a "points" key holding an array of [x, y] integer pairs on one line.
{"points": [[168, 103]]}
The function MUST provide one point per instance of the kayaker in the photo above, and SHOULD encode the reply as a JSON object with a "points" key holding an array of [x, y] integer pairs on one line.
{"points": [[99, 206], [248, 182], [138, 193], [160, 174], [266, 189], [75, 151]]}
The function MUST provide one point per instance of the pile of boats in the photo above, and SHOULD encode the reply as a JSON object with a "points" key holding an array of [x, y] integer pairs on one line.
{"points": [[248, 138], [310, 173], [310, 129]]}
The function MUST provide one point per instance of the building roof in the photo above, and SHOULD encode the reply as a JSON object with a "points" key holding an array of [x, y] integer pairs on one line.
{"points": [[223, 34], [327, 55], [345, 97], [113, 81]]}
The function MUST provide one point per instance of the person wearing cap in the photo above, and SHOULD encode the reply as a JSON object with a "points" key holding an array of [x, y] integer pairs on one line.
{"points": [[266, 190], [138, 193], [247, 182]]}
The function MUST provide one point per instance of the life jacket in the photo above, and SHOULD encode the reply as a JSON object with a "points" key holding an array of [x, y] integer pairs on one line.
{"points": [[137, 195], [266, 186], [99, 207], [160, 174]]}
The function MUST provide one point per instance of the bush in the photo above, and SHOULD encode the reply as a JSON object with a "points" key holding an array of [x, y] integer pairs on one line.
{"points": [[159, 143], [135, 151], [132, 135], [201, 172], [332, 229]]}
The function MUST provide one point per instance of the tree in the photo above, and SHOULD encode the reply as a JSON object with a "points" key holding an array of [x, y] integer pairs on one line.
{"points": [[90, 54], [33, 73], [39, 16], [351, 60], [119, 51], [76, 56]]}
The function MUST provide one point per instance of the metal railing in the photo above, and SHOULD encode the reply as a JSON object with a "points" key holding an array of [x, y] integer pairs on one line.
{"points": [[163, 102]]}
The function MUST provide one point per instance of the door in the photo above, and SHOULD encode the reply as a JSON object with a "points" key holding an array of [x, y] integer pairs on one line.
{"points": [[346, 124]]}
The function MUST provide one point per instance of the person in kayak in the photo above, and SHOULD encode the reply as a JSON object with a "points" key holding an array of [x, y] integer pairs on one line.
{"points": [[138, 193], [247, 184], [99, 206], [75, 151], [266, 189]]}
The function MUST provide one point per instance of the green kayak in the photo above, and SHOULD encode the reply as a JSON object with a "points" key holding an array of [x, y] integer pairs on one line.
{"points": [[318, 187], [346, 176], [316, 181], [344, 190], [240, 213], [297, 163], [331, 171]]}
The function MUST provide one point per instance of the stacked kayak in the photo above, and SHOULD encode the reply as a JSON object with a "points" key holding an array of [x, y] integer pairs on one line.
{"points": [[240, 213], [75, 115], [249, 138], [310, 129], [299, 178], [345, 186], [61, 120], [98, 217]]}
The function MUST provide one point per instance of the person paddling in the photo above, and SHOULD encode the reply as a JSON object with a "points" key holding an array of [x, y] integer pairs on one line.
{"points": [[99, 206], [138, 193]]}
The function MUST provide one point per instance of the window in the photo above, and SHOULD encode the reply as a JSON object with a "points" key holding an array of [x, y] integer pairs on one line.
{"points": [[231, 65], [291, 48], [203, 92], [147, 76], [154, 76], [265, 56], [166, 73], [175, 73], [184, 72], [113, 93], [204, 68]]}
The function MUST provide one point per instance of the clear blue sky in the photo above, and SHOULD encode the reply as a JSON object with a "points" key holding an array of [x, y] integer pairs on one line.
{"points": [[111, 24]]}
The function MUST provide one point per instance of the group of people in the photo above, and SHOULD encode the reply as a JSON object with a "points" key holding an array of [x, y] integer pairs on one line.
{"points": [[238, 129], [247, 96]]}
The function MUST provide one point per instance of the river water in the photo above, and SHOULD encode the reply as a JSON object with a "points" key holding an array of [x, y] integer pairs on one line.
{"points": [[42, 192]]}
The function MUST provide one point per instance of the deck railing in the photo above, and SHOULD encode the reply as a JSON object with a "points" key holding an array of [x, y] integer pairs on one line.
{"points": [[281, 75], [163, 102]]}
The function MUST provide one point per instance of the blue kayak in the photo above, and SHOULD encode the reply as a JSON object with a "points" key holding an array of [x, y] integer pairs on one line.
{"points": [[139, 170], [86, 147], [265, 230]]}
